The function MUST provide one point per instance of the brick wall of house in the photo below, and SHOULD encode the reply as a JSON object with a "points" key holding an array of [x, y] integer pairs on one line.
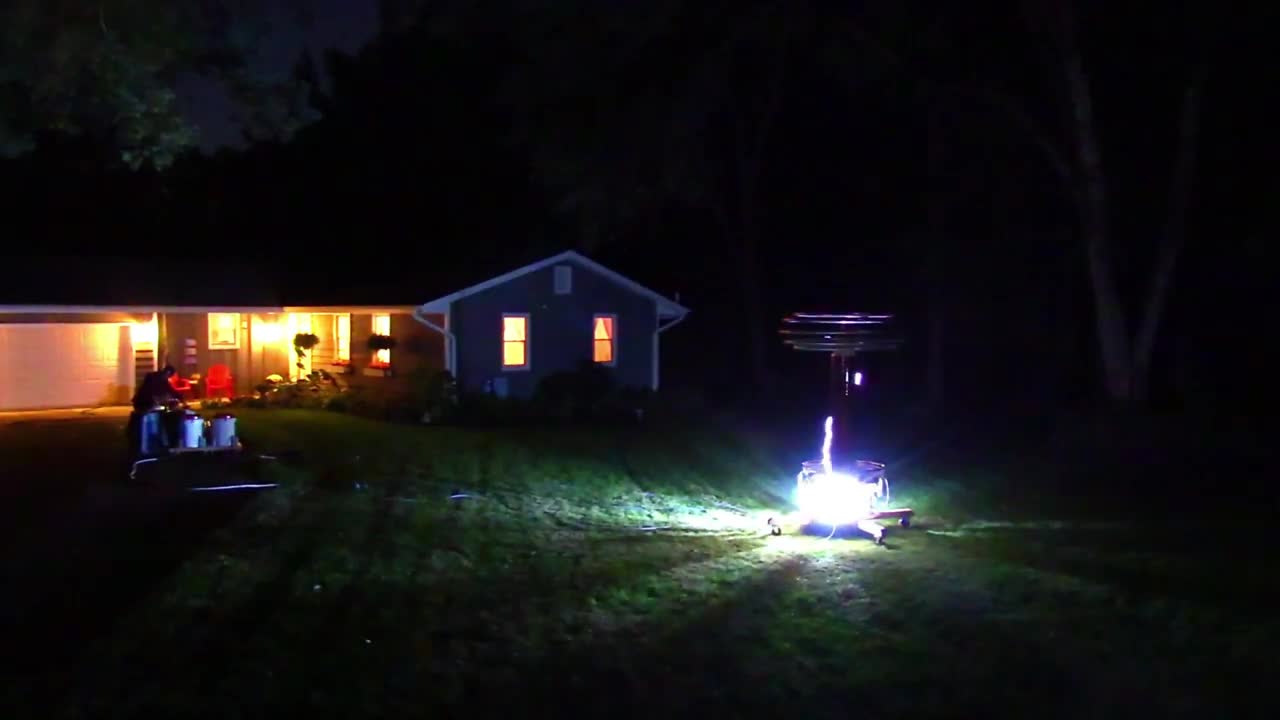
{"points": [[417, 347]]}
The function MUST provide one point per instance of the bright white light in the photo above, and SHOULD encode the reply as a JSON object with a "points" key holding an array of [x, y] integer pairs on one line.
{"points": [[857, 378], [267, 331], [145, 333], [826, 446], [836, 498]]}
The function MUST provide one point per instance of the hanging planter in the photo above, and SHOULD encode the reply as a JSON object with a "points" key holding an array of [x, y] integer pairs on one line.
{"points": [[302, 344], [378, 343]]}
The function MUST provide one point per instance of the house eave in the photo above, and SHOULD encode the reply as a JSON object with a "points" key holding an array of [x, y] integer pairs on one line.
{"points": [[97, 309], [370, 309], [666, 307], [92, 309]]}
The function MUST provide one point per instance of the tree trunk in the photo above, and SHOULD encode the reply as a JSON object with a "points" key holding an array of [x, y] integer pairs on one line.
{"points": [[750, 145], [1171, 242], [747, 235], [1091, 200], [741, 237], [753, 305], [935, 272], [937, 355]]}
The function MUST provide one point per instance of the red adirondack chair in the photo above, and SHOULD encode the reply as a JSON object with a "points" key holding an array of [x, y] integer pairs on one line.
{"points": [[218, 383], [180, 385]]}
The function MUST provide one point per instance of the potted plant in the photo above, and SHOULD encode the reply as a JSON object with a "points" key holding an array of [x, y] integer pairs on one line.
{"points": [[380, 342]]}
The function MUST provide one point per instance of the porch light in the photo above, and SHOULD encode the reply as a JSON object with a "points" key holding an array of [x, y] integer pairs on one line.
{"points": [[147, 333], [267, 331]]}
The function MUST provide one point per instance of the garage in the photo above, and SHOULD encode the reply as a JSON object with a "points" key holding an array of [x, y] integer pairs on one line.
{"points": [[64, 365]]}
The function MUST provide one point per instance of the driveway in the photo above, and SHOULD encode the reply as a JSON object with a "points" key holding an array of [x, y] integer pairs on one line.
{"points": [[77, 544], [25, 416]]}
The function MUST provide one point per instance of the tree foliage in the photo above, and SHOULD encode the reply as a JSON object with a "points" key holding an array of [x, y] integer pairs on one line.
{"points": [[630, 111], [110, 70], [626, 109]]}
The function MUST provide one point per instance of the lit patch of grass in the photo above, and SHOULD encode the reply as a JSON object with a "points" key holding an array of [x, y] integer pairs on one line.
{"points": [[614, 569]]}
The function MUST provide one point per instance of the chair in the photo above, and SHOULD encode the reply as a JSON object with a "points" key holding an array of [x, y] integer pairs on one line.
{"points": [[218, 383], [180, 385]]}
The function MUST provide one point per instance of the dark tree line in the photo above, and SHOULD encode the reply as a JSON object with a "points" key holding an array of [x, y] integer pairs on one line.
{"points": [[1022, 185]]}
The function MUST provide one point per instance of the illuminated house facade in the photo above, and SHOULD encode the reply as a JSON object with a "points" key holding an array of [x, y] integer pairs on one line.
{"points": [[84, 356], [506, 334], [87, 338], [501, 335]]}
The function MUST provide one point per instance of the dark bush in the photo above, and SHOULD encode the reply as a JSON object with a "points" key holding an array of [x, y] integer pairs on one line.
{"points": [[256, 402], [677, 404], [359, 403], [488, 409], [584, 394], [433, 395]]}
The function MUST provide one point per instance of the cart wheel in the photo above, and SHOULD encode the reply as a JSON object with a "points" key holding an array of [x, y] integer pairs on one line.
{"points": [[905, 521]]}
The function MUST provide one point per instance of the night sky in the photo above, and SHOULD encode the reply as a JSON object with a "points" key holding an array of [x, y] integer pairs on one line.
{"points": [[420, 192], [344, 25]]}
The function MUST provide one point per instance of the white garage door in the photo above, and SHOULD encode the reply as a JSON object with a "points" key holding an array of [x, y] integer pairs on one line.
{"points": [[64, 366]]}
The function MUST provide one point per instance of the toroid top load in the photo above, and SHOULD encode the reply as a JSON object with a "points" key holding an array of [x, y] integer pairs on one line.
{"points": [[840, 334]]}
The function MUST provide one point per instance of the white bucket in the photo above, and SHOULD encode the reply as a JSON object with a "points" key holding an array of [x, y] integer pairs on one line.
{"points": [[224, 431], [192, 431]]}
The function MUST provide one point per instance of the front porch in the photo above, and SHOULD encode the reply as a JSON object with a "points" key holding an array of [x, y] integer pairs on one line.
{"points": [[257, 347]]}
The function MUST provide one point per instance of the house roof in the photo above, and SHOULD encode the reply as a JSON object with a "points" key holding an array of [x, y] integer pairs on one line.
{"points": [[178, 284], [666, 307], [168, 281], [172, 283], [390, 275]]}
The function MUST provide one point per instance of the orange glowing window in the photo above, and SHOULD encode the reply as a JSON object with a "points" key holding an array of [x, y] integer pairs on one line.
{"points": [[224, 331], [382, 326], [342, 336], [515, 341], [602, 339]]}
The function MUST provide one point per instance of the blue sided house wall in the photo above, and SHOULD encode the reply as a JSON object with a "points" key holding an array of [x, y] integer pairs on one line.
{"points": [[559, 329]]}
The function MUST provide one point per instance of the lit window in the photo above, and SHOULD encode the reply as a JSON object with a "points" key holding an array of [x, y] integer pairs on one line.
{"points": [[224, 331], [515, 341], [342, 336], [602, 338], [382, 326]]}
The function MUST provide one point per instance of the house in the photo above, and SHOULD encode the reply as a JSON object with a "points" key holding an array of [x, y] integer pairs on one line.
{"points": [[507, 333], [88, 338], [68, 346], [89, 355]]}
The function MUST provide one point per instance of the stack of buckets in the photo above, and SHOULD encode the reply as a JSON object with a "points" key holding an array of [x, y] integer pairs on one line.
{"points": [[197, 432]]}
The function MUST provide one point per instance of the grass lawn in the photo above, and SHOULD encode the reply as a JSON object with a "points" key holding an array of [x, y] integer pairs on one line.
{"points": [[403, 570]]}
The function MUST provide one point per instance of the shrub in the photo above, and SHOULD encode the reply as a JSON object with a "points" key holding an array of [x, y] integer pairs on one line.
{"points": [[316, 390], [434, 395], [583, 394], [259, 401], [676, 404], [488, 409]]}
